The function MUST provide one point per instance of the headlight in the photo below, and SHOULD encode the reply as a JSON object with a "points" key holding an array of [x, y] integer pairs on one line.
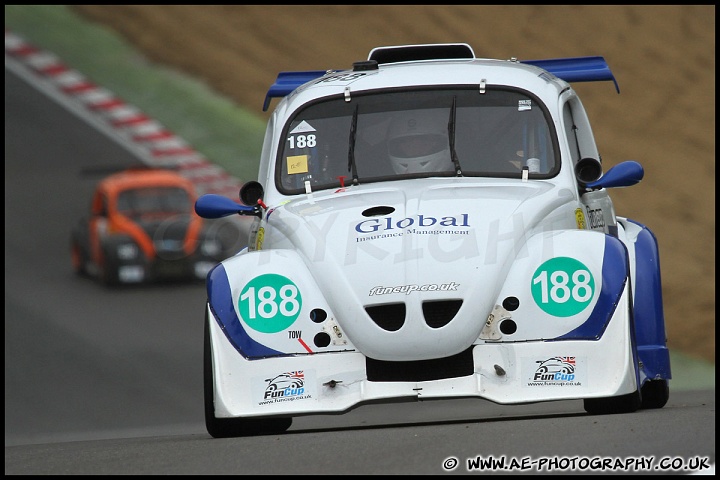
{"points": [[210, 247], [127, 251]]}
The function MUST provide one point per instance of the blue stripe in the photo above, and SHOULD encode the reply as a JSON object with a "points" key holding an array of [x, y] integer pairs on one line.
{"points": [[649, 315], [222, 306], [614, 277]]}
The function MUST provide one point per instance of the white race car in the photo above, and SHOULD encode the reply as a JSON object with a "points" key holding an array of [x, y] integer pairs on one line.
{"points": [[432, 225]]}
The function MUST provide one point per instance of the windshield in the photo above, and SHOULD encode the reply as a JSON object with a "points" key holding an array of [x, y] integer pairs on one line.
{"points": [[419, 133], [158, 201]]}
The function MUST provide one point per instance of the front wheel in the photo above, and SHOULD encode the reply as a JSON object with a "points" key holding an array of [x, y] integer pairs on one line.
{"points": [[232, 427], [655, 394], [609, 405], [108, 268]]}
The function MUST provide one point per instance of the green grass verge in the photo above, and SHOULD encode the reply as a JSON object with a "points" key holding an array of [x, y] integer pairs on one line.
{"points": [[689, 373], [223, 132]]}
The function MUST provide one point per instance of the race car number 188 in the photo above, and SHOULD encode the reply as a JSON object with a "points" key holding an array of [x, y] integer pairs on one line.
{"points": [[562, 286], [270, 303]]}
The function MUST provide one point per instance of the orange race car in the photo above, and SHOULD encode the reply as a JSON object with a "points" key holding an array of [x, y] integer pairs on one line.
{"points": [[142, 228]]}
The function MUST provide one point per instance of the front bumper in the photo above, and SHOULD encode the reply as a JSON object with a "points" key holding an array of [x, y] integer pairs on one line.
{"points": [[187, 268], [505, 373]]}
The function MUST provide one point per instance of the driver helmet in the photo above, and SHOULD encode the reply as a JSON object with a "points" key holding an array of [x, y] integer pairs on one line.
{"points": [[418, 142]]}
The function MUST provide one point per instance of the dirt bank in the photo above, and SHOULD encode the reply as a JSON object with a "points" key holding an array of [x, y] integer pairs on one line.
{"points": [[663, 58]]}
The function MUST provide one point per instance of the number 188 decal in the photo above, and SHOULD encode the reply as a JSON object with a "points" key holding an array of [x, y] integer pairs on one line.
{"points": [[562, 286], [270, 303]]}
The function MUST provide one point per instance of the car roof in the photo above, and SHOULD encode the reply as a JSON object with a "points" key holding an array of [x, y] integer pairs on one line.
{"points": [[144, 178], [437, 64]]}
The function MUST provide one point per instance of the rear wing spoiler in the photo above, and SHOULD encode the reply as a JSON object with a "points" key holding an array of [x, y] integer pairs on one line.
{"points": [[578, 69], [574, 69], [288, 81]]}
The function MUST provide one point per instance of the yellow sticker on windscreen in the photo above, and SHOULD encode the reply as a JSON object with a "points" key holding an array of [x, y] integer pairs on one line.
{"points": [[297, 164]]}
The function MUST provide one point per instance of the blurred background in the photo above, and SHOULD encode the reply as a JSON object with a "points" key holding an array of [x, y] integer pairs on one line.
{"points": [[203, 71]]}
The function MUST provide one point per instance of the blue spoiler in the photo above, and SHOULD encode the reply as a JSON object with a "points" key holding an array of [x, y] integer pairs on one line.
{"points": [[575, 69], [578, 69]]}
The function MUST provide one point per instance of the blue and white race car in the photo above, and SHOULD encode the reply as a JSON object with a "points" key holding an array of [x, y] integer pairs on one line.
{"points": [[432, 225]]}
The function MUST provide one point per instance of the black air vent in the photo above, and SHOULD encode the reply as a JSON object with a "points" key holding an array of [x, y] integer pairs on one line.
{"points": [[365, 65], [439, 313], [411, 53], [378, 211], [460, 365], [388, 317]]}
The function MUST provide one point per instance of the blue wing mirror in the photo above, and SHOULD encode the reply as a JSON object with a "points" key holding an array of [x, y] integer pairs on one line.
{"points": [[623, 174], [217, 206]]}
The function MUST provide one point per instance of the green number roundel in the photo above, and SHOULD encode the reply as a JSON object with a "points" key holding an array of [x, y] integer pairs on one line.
{"points": [[270, 303], [562, 286]]}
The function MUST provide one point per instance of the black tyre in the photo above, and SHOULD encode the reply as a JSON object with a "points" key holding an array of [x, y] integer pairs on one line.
{"points": [[109, 269], [78, 258], [655, 394], [610, 405], [232, 427], [622, 403]]}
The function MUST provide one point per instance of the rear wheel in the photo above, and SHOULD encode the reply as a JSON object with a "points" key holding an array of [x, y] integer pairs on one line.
{"points": [[609, 405], [655, 394], [232, 427]]}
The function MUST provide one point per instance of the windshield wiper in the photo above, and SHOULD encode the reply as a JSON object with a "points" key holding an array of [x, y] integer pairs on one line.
{"points": [[451, 135], [351, 150]]}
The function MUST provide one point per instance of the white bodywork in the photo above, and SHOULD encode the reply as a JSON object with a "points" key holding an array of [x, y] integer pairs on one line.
{"points": [[291, 334]]}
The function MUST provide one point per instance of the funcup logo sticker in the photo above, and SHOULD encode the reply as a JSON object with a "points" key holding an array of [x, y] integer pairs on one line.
{"points": [[285, 387], [559, 371]]}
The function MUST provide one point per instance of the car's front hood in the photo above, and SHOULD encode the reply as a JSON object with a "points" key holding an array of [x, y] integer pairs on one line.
{"points": [[391, 251], [169, 236]]}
